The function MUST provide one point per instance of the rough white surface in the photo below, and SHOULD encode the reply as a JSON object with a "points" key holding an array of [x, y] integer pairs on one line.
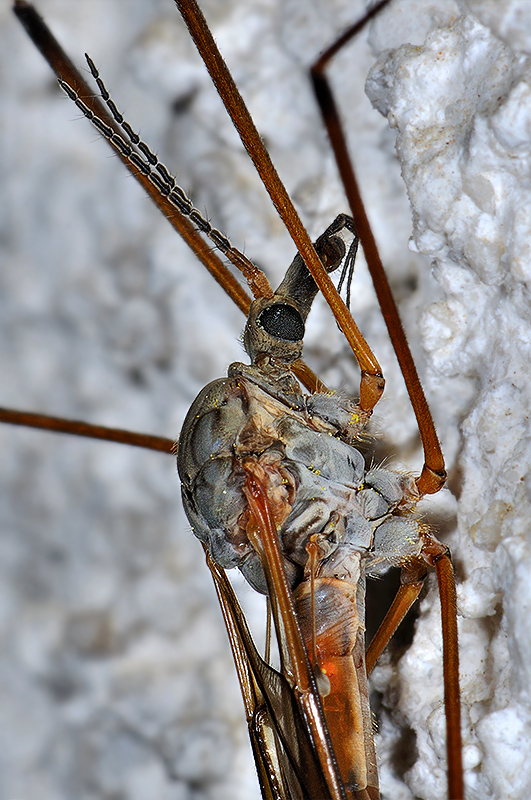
{"points": [[461, 105], [115, 679]]}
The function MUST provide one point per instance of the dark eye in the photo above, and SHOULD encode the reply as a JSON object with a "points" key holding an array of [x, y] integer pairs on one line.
{"points": [[282, 322]]}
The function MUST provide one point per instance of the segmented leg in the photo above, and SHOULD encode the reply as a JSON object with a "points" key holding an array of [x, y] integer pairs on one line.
{"points": [[433, 473], [372, 382], [437, 556]]}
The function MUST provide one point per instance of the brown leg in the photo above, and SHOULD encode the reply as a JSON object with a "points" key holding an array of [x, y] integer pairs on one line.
{"points": [[262, 534], [66, 71], [433, 473], [372, 382], [76, 428], [438, 556], [405, 597]]}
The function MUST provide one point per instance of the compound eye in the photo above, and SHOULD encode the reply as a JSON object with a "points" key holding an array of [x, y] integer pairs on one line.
{"points": [[282, 322]]}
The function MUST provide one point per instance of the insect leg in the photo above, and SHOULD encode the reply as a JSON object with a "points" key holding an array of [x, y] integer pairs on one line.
{"points": [[263, 536], [80, 91], [438, 556], [405, 597], [78, 428], [65, 71], [433, 473], [372, 382]]}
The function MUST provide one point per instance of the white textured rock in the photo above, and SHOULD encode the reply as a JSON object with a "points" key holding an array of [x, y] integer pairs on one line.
{"points": [[461, 105], [115, 678]]}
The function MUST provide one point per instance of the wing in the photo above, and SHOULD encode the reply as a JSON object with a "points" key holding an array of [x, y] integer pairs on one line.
{"points": [[286, 756]]}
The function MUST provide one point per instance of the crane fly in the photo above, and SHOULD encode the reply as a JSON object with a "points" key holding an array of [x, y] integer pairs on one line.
{"points": [[139, 379]]}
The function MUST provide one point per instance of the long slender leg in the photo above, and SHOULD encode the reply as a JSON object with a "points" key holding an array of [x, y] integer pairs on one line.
{"points": [[405, 597], [437, 556], [433, 473], [372, 382], [78, 428], [67, 73], [263, 535], [65, 70]]}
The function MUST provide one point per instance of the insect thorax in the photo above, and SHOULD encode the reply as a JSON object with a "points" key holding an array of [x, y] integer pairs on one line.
{"points": [[317, 483], [304, 449]]}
